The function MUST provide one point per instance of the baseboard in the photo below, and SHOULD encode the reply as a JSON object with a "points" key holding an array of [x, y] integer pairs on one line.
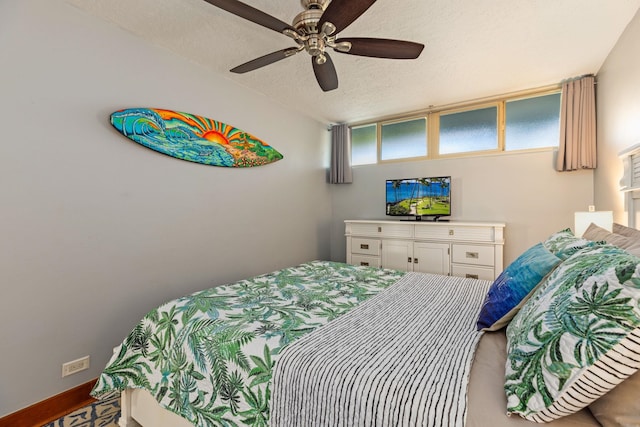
{"points": [[51, 409]]}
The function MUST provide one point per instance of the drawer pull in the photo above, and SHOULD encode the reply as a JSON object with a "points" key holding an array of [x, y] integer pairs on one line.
{"points": [[471, 276], [451, 232], [415, 260], [379, 229], [364, 263], [473, 255], [409, 260], [363, 246]]}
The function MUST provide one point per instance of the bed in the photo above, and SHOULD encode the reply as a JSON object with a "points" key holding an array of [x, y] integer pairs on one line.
{"points": [[327, 343]]}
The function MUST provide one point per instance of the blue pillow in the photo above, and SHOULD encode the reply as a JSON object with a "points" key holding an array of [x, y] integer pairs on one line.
{"points": [[514, 286]]}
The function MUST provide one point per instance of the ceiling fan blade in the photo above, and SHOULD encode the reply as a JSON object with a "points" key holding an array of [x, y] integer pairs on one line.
{"points": [[382, 48], [252, 14], [267, 59], [325, 73], [341, 13]]}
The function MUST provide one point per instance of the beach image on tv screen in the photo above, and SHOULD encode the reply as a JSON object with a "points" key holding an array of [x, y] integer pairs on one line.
{"points": [[420, 196]]}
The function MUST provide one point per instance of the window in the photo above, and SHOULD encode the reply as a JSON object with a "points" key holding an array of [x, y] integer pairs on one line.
{"points": [[502, 124], [466, 131], [364, 145], [532, 122], [404, 139]]}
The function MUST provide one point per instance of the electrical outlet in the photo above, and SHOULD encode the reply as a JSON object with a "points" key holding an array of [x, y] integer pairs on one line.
{"points": [[592, 208], [75, 366]]}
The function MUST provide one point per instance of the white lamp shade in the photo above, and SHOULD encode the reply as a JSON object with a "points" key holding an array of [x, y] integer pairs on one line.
{"points": [[602, 219]]}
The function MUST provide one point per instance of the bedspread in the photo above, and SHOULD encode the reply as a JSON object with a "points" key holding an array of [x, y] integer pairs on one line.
{"points": [[208, 357], [402, 358]]}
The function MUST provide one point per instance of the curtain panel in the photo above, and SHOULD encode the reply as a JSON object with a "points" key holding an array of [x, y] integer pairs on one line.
{"points": [[340, 172], [577, 148]]}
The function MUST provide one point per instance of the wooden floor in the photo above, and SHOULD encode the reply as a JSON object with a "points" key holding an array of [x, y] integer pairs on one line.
{"points": [[50, 412]]}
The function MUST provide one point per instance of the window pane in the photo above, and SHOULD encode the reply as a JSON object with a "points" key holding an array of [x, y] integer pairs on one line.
{"points": [[404, 139], [474, 130], [533, 122], [363, 145]]}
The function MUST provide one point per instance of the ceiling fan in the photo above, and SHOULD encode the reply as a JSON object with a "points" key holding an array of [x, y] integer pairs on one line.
{"points": [[314, 30]]}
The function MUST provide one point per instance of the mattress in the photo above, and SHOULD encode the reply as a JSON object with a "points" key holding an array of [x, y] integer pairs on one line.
{"points": [[487, 400]]}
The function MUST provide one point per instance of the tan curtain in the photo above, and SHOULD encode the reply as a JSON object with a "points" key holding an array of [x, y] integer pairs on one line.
{"points": [[340, 172], [577, 149]]}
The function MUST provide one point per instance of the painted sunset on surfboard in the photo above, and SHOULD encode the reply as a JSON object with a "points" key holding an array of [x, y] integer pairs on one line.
{"points": [[193, 138]]}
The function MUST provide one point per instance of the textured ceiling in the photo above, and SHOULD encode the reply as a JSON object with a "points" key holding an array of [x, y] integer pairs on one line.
{"points": [[472, 49]]}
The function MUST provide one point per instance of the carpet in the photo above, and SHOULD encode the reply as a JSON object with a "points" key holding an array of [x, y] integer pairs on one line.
{"points": [[103, 413]]}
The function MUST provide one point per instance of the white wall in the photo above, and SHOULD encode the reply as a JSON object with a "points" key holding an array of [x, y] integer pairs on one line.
{"points": [[523, 190], [618, 117], [96, 230]]}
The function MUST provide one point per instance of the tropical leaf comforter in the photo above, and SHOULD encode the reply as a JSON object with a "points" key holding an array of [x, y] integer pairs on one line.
{"points": [[208, 356]]}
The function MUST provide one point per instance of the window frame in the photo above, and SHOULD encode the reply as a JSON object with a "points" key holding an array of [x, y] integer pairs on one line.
{"points": [[377, 148], [520, 98], [400, 120], [432, 118], [500, 114]]}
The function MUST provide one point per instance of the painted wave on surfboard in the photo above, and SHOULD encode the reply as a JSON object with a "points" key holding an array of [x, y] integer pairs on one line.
{"points": [[193, 138]]}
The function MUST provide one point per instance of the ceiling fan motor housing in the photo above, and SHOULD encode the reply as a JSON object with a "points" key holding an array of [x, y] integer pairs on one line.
{"points": [[314, 4], [306, 22]]}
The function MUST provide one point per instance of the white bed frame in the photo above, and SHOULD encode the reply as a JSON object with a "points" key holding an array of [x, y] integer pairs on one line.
{"points": [[139, 408]]}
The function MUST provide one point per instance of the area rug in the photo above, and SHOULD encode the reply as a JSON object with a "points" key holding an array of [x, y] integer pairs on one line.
{"points": [[104, 413]]}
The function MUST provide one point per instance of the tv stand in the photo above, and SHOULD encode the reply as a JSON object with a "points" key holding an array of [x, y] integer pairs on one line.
{"points": [[457, 248]]}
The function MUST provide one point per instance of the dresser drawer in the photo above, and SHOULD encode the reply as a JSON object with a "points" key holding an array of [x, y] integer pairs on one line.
{"points": [[477, 234], [473, 272], [472, 254], [443, 231], [382, 229], [365, 260], [432, 232], [363, 229], [396, 230], [365, 246]]}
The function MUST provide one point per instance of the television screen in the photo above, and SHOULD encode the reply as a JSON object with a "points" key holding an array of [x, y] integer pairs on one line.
{"points": [[419, 196]]}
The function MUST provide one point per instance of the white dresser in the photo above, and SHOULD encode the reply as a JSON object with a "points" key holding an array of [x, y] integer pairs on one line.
{"points": [[467, 249]]}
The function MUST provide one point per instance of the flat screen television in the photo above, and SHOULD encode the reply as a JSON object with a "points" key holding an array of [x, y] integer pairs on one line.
{"points": [[419, 197]]}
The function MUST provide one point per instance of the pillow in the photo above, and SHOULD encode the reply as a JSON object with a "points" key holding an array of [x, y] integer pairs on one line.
{"points": [[633, 247], [577, 337], [626, 231], [514, 286], [594, 232], [564, 243], [621, 406]]}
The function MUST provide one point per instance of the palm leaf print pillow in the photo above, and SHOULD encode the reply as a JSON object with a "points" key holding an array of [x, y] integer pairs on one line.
{"points": [[564, 243], [577, 337]]}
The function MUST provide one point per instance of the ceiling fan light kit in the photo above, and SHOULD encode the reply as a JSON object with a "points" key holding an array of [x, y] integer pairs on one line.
{"points": [[314, 30]]}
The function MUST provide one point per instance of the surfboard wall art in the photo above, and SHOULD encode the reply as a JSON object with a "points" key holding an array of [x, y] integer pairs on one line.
{"points": [[193, 138]]}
